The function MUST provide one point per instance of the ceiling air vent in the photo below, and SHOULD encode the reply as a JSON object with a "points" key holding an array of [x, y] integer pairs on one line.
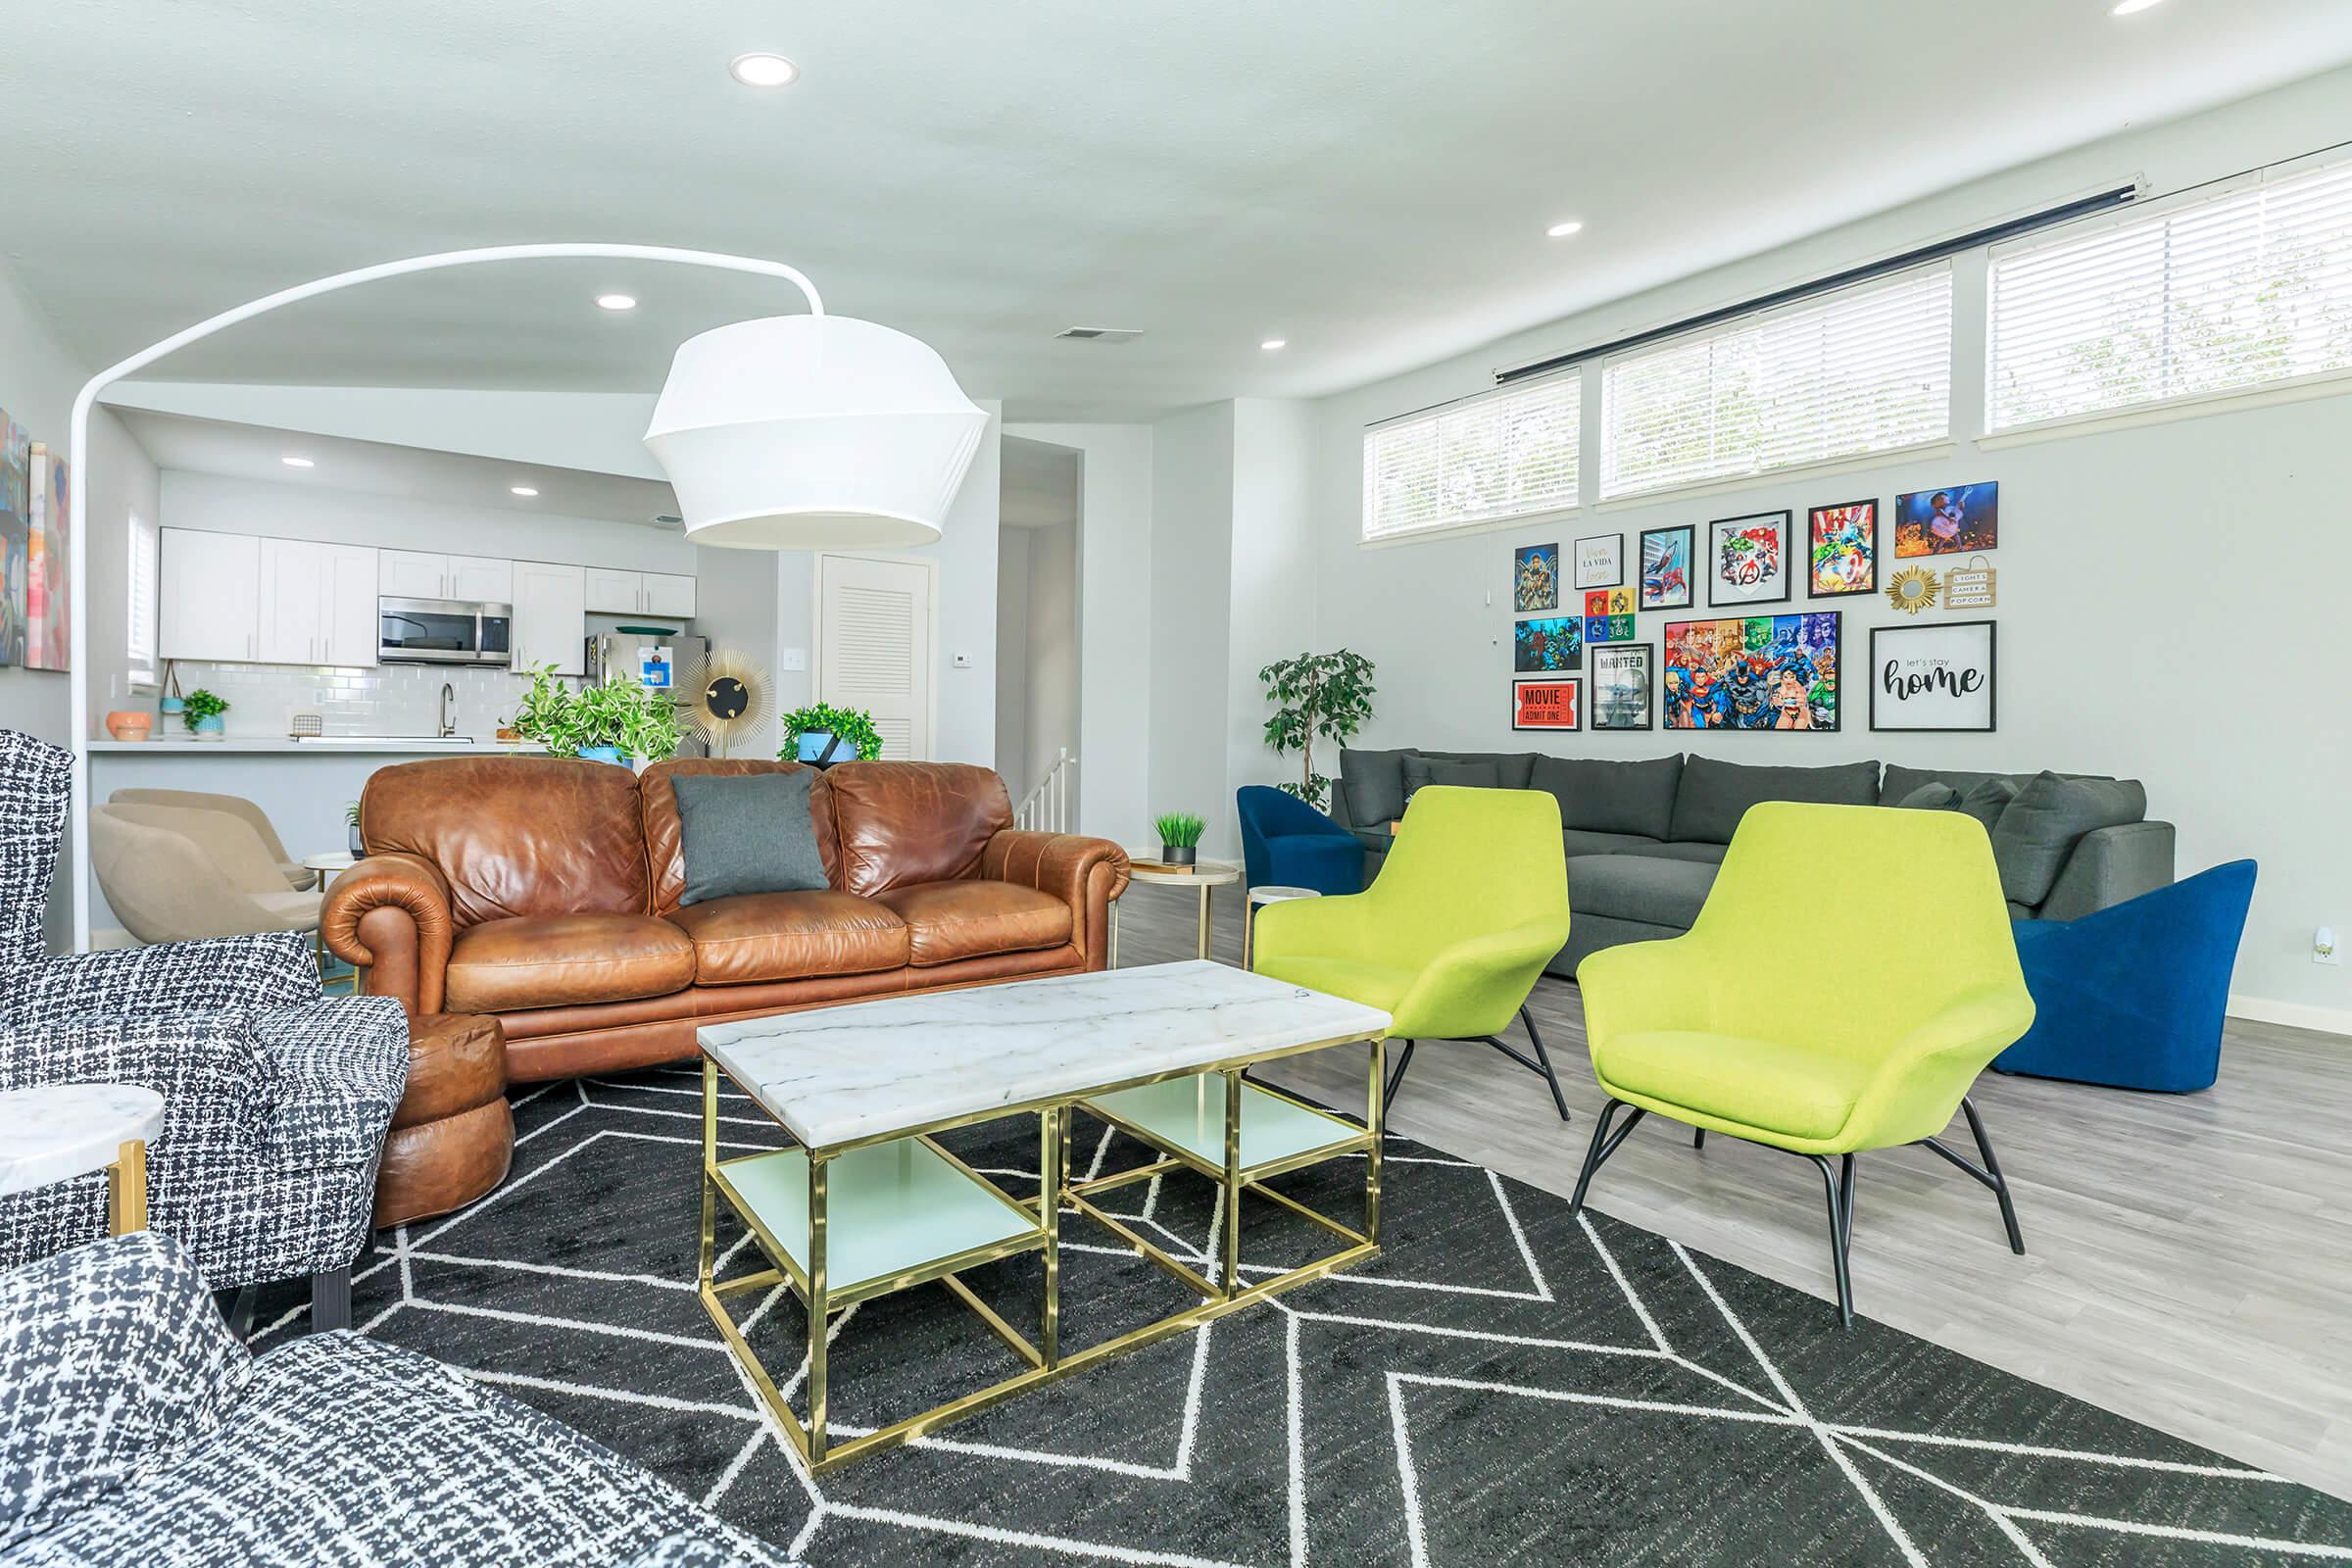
{"points": [[1103, 334]]}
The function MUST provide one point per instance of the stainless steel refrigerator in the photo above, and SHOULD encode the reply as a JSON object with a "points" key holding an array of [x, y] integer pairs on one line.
{"points": [[675, 664]]}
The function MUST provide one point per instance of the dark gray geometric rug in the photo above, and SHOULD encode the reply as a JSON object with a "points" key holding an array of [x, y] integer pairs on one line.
{"points": [[1503, 1385]]}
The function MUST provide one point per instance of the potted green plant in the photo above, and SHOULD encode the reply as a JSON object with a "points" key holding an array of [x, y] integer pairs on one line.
{"points": [[1325, 695], [203, 714], [622, 721], [1179, 837], [350, 821], [548, 713], [823, 735]]}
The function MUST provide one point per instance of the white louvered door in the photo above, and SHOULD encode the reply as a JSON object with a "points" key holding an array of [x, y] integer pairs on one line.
{"points": [[874, 646]]}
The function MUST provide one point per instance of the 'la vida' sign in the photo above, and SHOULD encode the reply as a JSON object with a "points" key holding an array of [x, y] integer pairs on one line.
{"points": [[1936, 676]]}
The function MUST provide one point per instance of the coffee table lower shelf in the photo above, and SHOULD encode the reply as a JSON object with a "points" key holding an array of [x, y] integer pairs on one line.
{"points": [[839, 1228]]}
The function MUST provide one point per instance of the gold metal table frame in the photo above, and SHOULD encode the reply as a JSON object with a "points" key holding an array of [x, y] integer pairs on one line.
{"points": [[1045, 1360]]}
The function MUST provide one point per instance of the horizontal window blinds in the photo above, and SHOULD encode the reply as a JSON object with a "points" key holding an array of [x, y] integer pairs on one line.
{"points": [[1497, 455]]}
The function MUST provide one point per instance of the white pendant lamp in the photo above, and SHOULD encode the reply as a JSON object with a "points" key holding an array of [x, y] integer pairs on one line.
{"points": [[813, 433]]}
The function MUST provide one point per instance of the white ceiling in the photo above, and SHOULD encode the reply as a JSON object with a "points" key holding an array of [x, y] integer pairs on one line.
{"points": [[374, 467], [1369, 178]]}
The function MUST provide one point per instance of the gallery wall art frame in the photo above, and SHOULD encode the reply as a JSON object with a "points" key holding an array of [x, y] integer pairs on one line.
{"points": [[1599, 567], [1953, 520], [1547, 644], [48, 594], [1669, 567], [1842, 547], [1535, 578], [1778, 673], [1551, 703], [1610, 660], [1748, 559], [1959, 648]]}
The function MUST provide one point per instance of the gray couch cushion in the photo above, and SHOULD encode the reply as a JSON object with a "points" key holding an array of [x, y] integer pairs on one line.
{"points": [[1420, 770], [1611, 797], [1930, 798], [750, 833], [1986, 799], [1513, 766], [1374, 784], [1714, 795], [2034, 836], [1583, 841], [1901, 781], [1638, 887], [1712, 853]]}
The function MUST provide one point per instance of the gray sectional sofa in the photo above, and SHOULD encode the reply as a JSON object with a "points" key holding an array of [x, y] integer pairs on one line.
{"points": [[1643, 838]]}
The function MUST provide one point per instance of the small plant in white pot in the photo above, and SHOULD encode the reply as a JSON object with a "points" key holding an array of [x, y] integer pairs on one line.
{"points": [[1179, 837]]}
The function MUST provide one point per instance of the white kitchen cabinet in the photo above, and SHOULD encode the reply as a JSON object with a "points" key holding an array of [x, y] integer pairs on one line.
{"points": [[424, 575], [668, 595], [317, 604], [615, 593], [551, 616], [211, 596], [349, 633]]}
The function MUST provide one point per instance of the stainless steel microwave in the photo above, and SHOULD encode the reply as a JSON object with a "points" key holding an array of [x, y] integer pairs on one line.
{"points": [[443, 631]]}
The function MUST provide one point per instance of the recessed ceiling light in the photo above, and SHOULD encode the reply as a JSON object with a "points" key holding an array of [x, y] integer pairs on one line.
{"points": [[521, 490], [616, 302], [2124, 8], [762, 70], [1564, 229], [1273, 343], [298, 463]]}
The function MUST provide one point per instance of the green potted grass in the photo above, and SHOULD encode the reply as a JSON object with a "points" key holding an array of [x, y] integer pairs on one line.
{"points": [[1179, 837]]}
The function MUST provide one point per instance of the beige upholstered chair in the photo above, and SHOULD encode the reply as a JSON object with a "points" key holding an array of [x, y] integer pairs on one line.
{"points": [[297, 874], [172, 874]]}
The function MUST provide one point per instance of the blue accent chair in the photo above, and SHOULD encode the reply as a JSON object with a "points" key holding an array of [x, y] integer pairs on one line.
{"points": [[1287, 842], [2132, 997]]}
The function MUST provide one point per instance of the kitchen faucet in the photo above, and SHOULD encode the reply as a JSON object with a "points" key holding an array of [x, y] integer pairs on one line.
{"points": [[448, 699]]}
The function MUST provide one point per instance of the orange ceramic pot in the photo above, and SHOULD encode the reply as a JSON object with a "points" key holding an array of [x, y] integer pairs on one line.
{"points": [[126, 724]]}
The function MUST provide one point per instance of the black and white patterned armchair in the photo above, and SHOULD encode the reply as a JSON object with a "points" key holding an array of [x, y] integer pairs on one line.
{"points": [[134, 1429], [275, 1100]]}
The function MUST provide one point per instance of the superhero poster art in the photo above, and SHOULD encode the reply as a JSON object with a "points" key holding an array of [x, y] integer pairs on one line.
{"points": [[1761, 672], [1666, 567], [1547, 644], [1955, 520], [1547, 703], [1844, 558], [1748, 559], [1535, 578]]}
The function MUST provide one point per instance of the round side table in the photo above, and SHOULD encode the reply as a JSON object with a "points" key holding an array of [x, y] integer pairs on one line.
{"points": [[1207, 875], [326, 865], [1267, 892], [54, 1132]]}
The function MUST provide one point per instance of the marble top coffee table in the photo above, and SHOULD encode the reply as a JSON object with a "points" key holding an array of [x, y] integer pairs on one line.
{"points": [[54, 1132], [870, 1202]]}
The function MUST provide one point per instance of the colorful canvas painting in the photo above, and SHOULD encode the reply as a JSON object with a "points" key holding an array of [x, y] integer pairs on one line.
{"points": [[1596, 628], [1844, 550], [1949, 522], [1600, 560], [1551, 643], [15, 541], [1548, 705], [1666, 567], [1610, 602], [1748, 559], [1621, 629], [1535, 578], [1622, 695], [48, 596], [1759, 673]]}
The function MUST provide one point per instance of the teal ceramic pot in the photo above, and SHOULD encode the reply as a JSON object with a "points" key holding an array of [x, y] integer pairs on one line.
{"points": [[212, 727], [601, 754], [813, 743]]}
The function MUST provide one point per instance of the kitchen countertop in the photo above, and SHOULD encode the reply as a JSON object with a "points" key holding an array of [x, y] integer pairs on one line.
{"points": [[328, 746]]}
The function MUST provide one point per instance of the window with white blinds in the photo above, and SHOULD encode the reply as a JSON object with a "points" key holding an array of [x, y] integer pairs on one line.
{"points": [[2243, 288], [140, 606], [1497, 456], [1863, 370]]}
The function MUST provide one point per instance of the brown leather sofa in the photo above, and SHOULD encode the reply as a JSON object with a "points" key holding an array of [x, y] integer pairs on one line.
{"points": [[543, 892]]}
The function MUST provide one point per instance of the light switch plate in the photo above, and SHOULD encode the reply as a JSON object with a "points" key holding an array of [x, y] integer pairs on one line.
{"points": [[963, 661], [792, 658]]}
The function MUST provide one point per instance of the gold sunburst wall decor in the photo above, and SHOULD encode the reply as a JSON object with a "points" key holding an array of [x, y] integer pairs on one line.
{"points": [[737, 698], [1912, 590]]}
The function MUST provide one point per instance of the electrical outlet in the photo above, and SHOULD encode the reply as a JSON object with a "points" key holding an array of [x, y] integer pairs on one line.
{"points": [[2324, 949]]}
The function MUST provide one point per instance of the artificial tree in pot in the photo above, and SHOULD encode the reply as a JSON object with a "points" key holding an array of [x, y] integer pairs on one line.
{"points": [[1315, 695]]}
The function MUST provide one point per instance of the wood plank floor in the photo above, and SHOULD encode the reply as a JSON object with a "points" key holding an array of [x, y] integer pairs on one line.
{"points": [[2189, 1258]]}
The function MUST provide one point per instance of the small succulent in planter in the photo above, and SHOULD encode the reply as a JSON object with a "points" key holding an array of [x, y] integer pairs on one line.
{"points": [[350, 821], [1179, 837], [203, 711]]}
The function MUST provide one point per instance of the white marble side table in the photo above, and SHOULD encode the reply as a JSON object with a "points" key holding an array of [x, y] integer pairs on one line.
{"points": [[326, 865], [1267, 892], [55, 1132]]}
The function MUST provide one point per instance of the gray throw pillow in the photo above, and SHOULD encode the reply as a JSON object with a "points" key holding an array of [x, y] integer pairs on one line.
{"points": [[1715, 795], [1512, 767], [1600, 797], [1986, 799], [2037, 834], [748, 833], [1374, 784], [1421, 770], [1931, 798]]}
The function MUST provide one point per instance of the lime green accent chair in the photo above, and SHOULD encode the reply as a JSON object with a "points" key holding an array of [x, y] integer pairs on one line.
{"points": [[1451, 936], [1851, 973]]}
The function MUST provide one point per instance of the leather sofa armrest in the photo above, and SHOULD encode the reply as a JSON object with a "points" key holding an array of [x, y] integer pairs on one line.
{"points": [[1085, 873], [389, 914], [2109, 867]]}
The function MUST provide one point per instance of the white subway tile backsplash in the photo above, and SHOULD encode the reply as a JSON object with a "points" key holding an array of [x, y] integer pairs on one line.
{"points": [[394, 699]]}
